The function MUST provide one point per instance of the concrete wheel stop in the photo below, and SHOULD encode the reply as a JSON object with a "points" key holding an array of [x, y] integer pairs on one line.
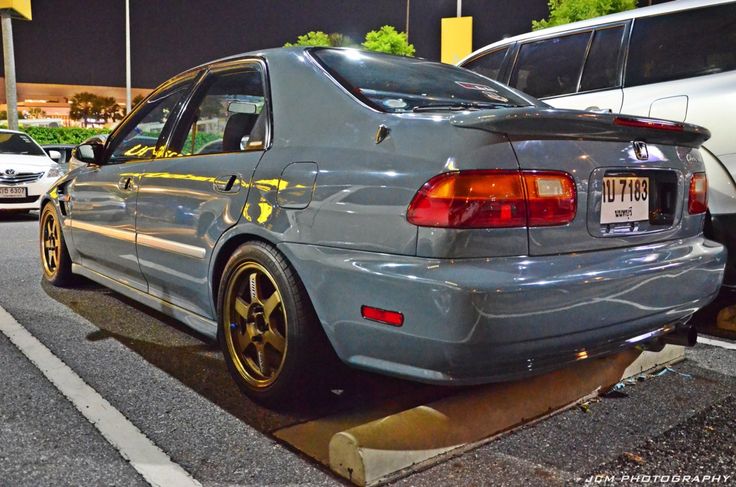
{"points": [[369, 448]]}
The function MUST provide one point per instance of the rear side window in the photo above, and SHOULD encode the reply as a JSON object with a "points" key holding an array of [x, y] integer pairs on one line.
{"points": [[489, 64], [601, 67], [682, 45], [550, 67]]}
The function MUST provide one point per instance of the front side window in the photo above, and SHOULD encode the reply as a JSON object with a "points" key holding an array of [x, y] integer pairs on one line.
{"points": [[139, 138], [228, 114], [550, 67], [682, 45], [489, 65], [399, 84]]}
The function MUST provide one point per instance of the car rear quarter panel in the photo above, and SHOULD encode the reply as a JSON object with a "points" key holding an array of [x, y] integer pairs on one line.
{"points": [[363, 188]]}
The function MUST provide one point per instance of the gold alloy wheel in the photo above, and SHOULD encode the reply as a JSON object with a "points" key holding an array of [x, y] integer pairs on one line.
{"points": [[255, 325], [50, 242]]}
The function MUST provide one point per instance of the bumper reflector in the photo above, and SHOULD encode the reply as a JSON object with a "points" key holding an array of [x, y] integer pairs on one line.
{"points": [[393, 318]]}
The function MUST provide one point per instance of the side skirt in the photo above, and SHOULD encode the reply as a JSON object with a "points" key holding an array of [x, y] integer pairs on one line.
{"points": [[199, 323]]}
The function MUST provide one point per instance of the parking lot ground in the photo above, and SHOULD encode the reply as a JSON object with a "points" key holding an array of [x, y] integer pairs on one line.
{"points": [[174, 387]]}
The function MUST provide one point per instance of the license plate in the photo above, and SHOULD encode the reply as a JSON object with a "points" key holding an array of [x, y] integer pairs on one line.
{"points": [[625, 199], [11, 192]]}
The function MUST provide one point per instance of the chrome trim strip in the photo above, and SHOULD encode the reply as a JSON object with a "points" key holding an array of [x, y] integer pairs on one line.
{"points": [[202, 324], [170, 246], [116, 233]]}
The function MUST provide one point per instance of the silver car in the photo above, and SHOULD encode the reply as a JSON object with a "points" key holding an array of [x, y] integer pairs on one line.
{"points": [[408, 217]]}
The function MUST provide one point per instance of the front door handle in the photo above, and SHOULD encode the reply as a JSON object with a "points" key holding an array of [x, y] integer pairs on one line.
{"points": [[226, 184]]}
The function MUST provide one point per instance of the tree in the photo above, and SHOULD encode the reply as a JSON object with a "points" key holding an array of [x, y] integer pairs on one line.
{"points": [[387, 39], [313, 38], [85, 106], [110, 110], [4, 115], [137, 99], [35, 112], [566, 11]]}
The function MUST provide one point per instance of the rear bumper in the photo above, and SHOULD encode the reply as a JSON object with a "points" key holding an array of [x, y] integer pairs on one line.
{"points": [[483, 320]]}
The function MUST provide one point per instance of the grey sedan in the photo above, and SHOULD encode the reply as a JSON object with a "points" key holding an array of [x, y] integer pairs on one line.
{"points": [[407, 217]]}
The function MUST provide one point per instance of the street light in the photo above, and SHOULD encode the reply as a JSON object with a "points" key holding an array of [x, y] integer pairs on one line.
{"points": [[128, 99]]}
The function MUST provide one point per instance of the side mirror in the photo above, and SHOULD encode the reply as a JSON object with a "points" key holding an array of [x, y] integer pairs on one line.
{"points": [[55, 155], [88, 153]]}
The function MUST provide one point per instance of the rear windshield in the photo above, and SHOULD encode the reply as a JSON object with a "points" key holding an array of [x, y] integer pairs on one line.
{"points": [[19, 144], [399, 84]]}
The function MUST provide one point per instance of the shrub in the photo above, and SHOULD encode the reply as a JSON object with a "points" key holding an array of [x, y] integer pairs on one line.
{"points": [[313, 38], [387, 39], [566, 11], [61, 135]]}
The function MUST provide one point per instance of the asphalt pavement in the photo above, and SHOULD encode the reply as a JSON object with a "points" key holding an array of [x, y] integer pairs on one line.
{"points": [[172, 384]]}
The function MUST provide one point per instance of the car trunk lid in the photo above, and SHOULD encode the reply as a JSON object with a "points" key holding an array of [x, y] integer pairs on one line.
{"points": [[632, 175]]}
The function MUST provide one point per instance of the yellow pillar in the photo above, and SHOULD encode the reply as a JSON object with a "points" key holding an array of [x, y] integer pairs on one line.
{"points": [[457, 38]]}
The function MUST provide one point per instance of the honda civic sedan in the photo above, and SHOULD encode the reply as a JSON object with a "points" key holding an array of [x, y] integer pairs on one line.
{"points": [[407, 217]]}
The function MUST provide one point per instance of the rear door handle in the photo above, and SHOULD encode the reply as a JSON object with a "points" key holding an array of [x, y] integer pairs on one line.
{"points": [[226, 184], [127, 183], [124, 183]]}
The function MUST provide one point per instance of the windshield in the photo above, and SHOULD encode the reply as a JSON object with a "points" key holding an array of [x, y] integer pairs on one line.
{"points": [[19, 144], [400, 84]]}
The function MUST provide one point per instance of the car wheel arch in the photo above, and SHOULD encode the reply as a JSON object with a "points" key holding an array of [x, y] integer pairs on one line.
{"points": [[225, 248]]}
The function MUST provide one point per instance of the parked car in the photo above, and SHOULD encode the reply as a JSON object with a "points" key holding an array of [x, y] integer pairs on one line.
{"points": [[675, 61], [64, 151], [26, 172], [415, 218]]}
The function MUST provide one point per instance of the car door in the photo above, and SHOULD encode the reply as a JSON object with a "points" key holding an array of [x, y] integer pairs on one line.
{"points": [[187, 199], [103, 196]]}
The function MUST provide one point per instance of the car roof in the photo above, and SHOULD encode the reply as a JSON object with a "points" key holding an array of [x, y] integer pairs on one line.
{"points": [[662, 8], [8, 131]]}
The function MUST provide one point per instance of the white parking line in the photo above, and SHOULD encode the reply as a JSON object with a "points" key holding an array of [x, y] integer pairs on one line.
{"points": [[716, 343], [149, 460]]}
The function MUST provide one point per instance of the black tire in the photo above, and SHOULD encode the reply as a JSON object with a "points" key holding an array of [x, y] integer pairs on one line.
{"points": [[55, 261], [255, 277]]}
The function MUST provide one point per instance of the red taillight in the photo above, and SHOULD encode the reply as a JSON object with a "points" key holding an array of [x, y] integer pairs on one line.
{"points": [[470, 199], [494, 199], [698, 198], [393, 318], [645, 123]]}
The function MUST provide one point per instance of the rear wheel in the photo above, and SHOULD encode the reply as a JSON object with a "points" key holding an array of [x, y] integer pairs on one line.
{"points": [[273, 344], [55, 261]]}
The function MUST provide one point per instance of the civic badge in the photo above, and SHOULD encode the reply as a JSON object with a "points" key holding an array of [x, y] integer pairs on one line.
{"points": [[640, 149]]}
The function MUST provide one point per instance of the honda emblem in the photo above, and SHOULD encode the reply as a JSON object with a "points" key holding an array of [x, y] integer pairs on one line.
{"points": [[641, 151]]}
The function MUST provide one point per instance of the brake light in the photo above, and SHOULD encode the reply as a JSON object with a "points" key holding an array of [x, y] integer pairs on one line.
{"points": [[698, 198], [645, 123], [494, 199]]}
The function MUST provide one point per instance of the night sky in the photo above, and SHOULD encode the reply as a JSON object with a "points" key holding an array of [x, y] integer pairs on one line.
{"points": [[82, 41]]}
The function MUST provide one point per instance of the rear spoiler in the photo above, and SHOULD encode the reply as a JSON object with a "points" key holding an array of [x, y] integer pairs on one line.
{"points": [[546, 123]]}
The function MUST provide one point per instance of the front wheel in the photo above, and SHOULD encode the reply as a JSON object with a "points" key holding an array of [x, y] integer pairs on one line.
{"points": [[55, 260], [273, 344]]}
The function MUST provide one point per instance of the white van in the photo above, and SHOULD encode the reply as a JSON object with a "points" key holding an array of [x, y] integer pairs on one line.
{"points": [[675, 61]]}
